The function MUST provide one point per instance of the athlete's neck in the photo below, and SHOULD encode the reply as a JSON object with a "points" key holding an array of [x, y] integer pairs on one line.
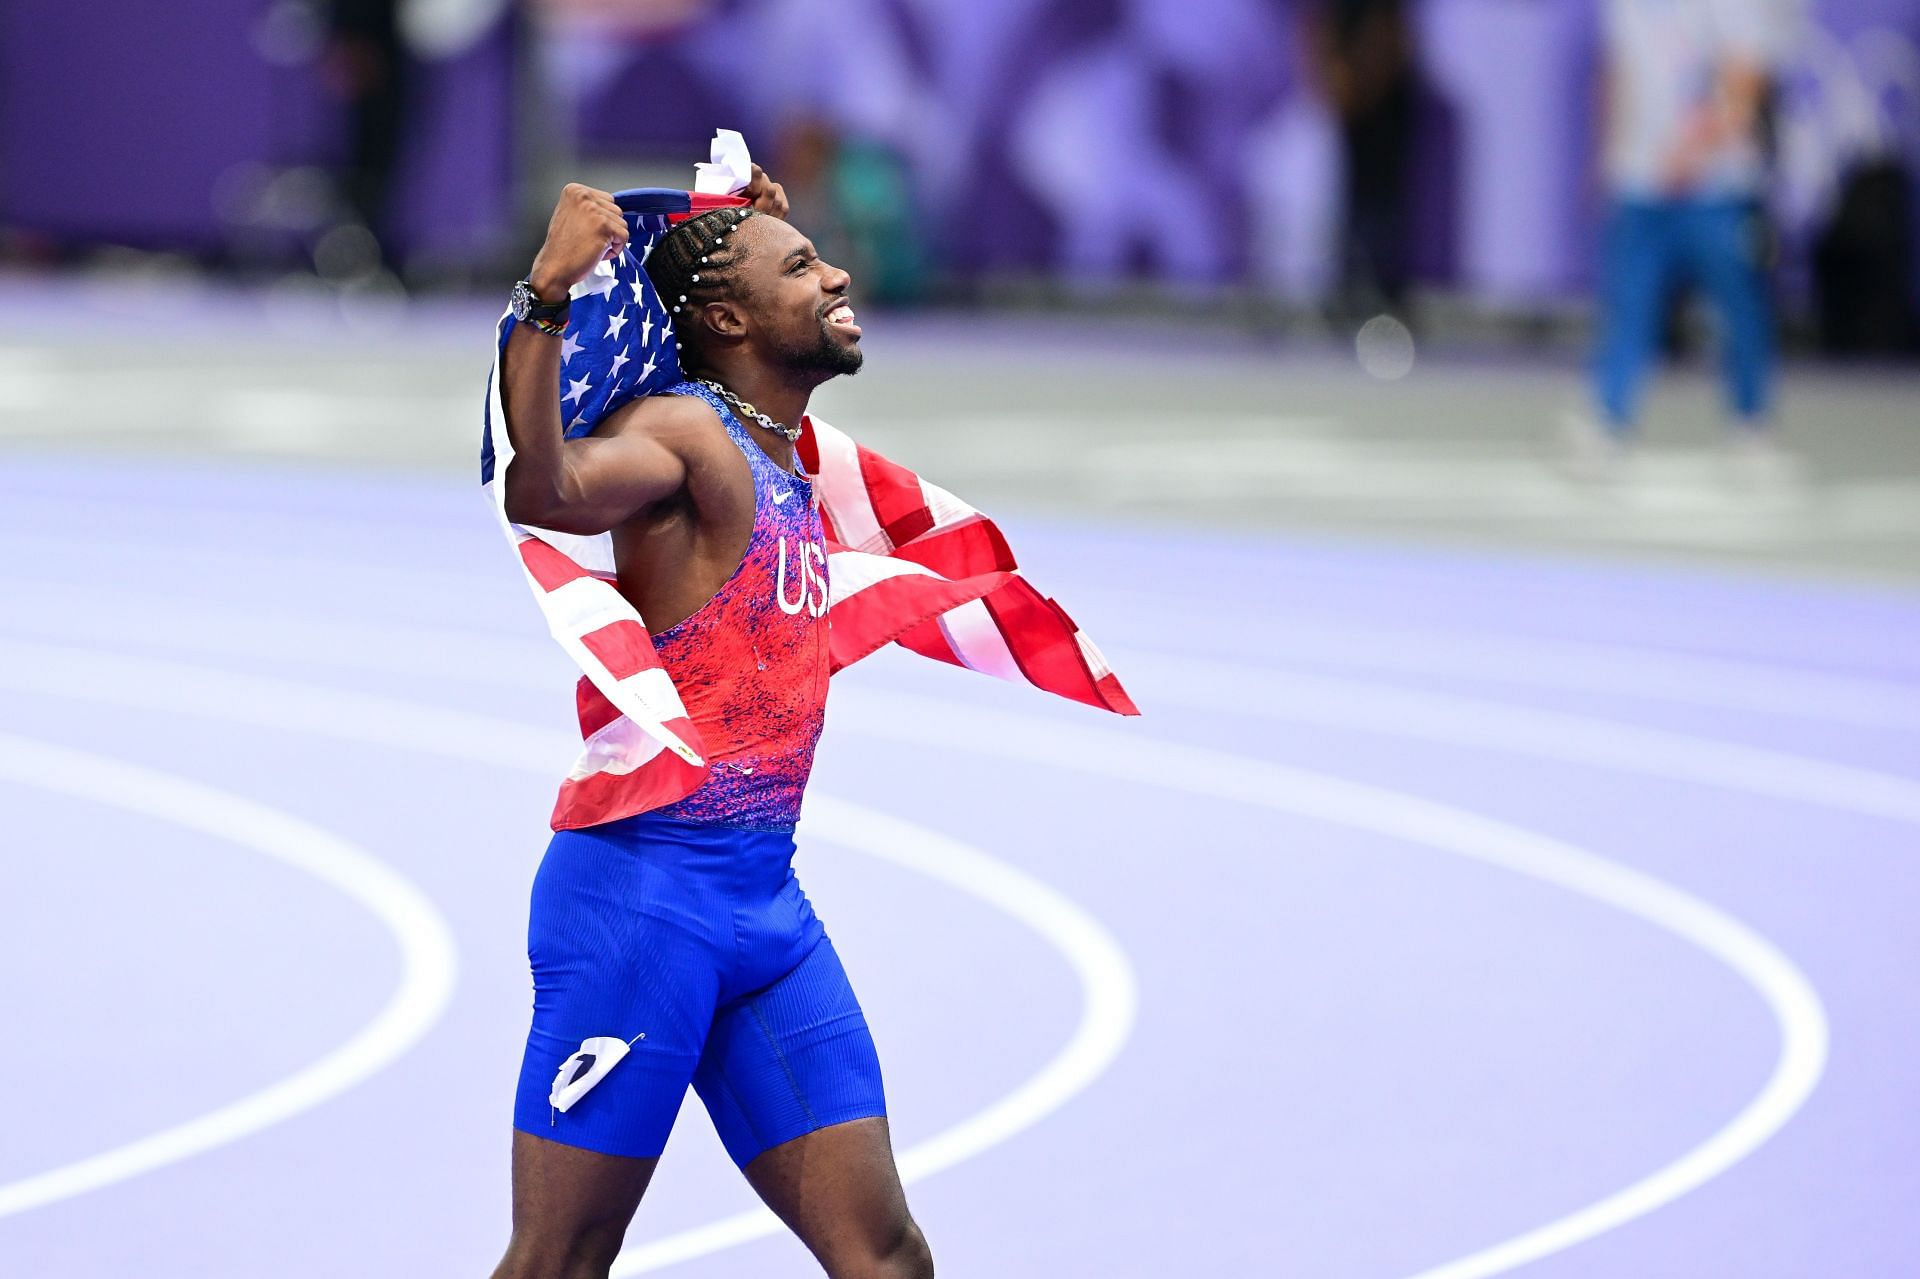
{"points": [[771, 391]]}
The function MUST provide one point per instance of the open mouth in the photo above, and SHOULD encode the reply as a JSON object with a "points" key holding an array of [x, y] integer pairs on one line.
{"points": [[840, 316]]}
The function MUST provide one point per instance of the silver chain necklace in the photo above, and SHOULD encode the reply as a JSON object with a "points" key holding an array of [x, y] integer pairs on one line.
{"points": [[749, 413]]}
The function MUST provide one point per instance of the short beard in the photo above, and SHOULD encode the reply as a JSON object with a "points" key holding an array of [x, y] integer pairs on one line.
{"points": [[826, 357]]}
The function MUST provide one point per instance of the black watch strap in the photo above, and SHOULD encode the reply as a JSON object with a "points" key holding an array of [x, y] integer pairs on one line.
{"points": [[548, 317], [544, 310]]}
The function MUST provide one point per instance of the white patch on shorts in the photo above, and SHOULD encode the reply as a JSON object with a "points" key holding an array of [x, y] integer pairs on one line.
{"points": [[579, 1073]]}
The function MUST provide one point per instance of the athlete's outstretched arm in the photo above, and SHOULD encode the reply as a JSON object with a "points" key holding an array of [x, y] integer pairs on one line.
{"points": [[586, 485]]}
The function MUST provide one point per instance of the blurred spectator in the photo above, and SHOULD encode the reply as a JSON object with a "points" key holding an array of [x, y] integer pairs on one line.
{"points": [[1863, 263], [853, 200], [365, 65], [1365, 54], [1684, 89]]}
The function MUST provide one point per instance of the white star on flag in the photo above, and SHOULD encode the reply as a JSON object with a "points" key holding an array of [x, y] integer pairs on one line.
{"points": [[615, 323], [646, 329], [619, 358], [569, 347], [646, 370], [639, 289], [578, 387]]}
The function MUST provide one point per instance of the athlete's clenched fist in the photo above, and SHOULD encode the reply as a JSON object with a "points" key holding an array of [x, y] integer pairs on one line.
{"points": [[586, 227], [766, 195]]}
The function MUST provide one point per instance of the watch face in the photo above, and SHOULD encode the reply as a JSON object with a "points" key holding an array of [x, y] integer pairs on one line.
{"points": [[522, 300]]}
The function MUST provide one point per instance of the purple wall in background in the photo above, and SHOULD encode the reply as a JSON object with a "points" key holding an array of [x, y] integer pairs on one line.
{"points": [[455, 195], [1095, 139], [127, 121], [118, 116], [1023, 120]]}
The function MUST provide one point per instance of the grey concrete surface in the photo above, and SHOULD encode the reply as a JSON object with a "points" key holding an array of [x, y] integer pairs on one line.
{"points": [[1123, 421]]}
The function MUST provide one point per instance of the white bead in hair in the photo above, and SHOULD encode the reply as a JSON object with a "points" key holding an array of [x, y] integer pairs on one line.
{"points": [[696, 279]]}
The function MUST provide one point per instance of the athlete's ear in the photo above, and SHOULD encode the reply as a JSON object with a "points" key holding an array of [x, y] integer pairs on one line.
{"points": [[724, 319]]}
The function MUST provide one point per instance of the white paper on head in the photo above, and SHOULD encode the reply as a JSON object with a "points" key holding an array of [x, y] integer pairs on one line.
{"points": [[726, 174], [598, 1055], [730, 168]]}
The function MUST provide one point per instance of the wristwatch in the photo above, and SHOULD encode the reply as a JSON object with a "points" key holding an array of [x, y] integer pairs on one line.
{"points": [[549, 317]]}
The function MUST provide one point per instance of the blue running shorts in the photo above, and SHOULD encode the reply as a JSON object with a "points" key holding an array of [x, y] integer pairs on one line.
{"points": [[694, 944]]}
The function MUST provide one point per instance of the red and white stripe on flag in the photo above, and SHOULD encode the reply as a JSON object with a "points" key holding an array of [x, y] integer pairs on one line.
{"points": [[641, 749], [905, 541], [908, 562]]}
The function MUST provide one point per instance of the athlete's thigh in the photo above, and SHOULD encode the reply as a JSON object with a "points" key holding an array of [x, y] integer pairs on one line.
{"points": [[625, 986], [790, 1058], [624, 990], [570, 1202], [792, 1081], [837, 1188]]}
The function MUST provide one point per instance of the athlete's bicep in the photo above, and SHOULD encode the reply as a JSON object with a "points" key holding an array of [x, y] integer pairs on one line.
{"points": [[608, 478], [638, 455]]}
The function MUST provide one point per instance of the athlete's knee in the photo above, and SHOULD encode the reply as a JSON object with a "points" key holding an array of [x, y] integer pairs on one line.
{"points": [[902, 1254], [913, 1259], [587, 1255]]}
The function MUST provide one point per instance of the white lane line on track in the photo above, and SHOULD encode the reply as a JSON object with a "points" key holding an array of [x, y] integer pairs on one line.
{"points": [[1106, 1017], [1789, 996], [1201, 684], [1457, 720], [428, 959], [1109, 991], [60, 609], [1685, 678], [1115, 753]]}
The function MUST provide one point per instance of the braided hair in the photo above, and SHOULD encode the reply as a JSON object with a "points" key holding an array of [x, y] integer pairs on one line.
{"points": [[695, 263]]}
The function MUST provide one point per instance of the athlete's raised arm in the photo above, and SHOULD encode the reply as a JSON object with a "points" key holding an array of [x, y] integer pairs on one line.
{"points": [[591, 484]]}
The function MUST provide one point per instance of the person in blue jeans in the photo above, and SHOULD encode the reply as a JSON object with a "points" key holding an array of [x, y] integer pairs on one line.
{"points": [[1655, 246], [1684, 88]]}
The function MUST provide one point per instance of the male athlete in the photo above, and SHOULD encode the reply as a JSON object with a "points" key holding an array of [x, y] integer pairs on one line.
{"points": [[684, 926]]}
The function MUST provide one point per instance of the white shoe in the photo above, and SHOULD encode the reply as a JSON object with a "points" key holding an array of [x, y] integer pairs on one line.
{"points": [[1590, 453], [1757, 463]]}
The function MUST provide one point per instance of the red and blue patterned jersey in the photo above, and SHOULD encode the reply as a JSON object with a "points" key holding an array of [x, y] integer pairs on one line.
{"points": [[751, 663], [918, 567]]}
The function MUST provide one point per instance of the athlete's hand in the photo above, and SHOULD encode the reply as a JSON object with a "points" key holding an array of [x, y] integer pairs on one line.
{"points": [[586, 227], [765, 194]]}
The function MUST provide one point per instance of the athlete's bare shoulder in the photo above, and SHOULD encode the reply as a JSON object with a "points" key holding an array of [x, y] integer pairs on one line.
{"points": [[681, 424], [715, 484]]}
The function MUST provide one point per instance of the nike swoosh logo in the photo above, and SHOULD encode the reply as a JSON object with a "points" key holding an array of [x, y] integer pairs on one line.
{"points": [[781, 497]]}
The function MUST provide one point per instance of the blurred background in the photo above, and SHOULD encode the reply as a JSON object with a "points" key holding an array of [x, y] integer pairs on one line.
{"points": [[1483, 434], [1344, 190], [1007, 150]]}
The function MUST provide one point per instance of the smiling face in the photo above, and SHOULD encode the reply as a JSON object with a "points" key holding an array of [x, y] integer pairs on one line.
{"points": [[791, 306]]}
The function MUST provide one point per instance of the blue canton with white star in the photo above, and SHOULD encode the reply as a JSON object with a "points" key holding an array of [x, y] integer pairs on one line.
{"points": [[618, 344]]}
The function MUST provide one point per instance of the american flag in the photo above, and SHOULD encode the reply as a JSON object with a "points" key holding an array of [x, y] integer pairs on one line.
{"points": [[908, 562]]}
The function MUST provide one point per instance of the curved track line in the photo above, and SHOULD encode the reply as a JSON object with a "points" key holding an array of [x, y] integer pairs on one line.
{"points": [[1108, 987], [427, 955], [1789, 996], [167, 685], [530, 660], [1106, 1019], [1796, 1008], [1744, 684], [1457, 720]]}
